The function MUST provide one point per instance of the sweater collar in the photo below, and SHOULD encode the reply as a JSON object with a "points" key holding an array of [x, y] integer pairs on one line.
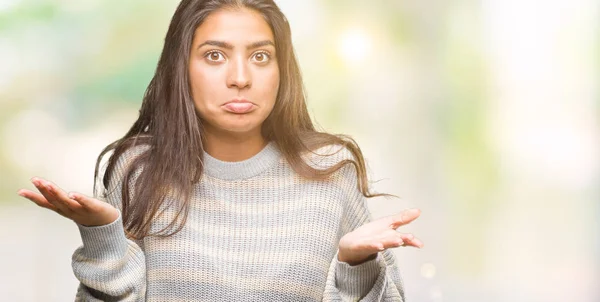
{"points": [[238, 170]]}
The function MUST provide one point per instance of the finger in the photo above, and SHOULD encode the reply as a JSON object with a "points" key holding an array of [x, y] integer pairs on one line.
{"points": [[390, 239], [410, 240], [370, 245], [37, 199], [63, 198], [46, 189], [41, 201], [40, 184], [379, 242], [393, 242], [83, 200], [404, 217]]}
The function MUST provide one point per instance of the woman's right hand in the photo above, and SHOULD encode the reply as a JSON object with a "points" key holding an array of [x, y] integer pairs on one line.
{"points": [[83, 210]]}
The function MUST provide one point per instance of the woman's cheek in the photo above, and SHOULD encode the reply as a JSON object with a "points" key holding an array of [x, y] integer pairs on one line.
{"points": [[273, 86]]}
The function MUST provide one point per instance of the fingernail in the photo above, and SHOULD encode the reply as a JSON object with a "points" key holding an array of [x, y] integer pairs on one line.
{"points": [[72, 196]]}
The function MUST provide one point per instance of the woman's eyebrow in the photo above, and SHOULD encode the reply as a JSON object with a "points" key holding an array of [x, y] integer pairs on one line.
{"points": [[226, 45]]}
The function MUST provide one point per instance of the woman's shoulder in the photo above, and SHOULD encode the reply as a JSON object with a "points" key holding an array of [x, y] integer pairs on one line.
{"points": [[328, 156], [131, 153], [121, 162], [346, 176], [119, 167]]}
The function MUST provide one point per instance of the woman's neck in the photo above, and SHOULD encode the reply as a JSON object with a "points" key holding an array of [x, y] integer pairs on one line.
{"points": [[233, 147]]}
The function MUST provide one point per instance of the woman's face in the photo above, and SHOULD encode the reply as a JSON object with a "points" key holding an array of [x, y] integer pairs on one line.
{"points": [[233, 71]]}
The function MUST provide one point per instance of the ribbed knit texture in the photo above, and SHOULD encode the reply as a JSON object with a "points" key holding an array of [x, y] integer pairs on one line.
{"points": [[256, 231]]}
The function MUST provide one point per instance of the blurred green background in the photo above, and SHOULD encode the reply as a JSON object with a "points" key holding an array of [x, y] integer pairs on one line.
{"points": [[484, 114]]}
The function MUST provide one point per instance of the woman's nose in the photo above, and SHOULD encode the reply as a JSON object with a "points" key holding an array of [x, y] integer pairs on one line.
{"points": [[239, 74]]}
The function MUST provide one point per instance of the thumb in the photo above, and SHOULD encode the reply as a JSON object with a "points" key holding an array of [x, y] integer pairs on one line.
{"points": [[83, 200]]}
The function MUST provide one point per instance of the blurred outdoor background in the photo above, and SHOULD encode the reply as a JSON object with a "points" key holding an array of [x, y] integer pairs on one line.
{"points": [[484, 114]]}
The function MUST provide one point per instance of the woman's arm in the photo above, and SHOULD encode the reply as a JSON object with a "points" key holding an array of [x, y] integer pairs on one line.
{"points": [[376, 279], [365, 268], [109, 266]]}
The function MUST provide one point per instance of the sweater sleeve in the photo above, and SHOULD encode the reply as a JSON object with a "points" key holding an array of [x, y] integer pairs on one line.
{"points": [[109, 266], [377, 279]]}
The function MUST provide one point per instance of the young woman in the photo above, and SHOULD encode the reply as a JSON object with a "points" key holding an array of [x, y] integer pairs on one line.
{"points": [[223, 190]]}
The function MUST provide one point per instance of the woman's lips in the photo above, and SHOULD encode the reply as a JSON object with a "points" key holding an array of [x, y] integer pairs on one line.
{"points": [[239, 107]]}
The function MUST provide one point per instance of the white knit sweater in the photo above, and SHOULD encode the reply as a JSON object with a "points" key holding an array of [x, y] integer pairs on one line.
{"points": [[256, 231]]}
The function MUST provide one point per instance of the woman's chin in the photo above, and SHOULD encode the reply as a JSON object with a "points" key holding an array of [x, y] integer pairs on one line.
{"points": [[241, 127]]}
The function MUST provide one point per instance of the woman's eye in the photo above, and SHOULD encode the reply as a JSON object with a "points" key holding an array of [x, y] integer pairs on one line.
{"points": [[261, 57], [215, 56]]}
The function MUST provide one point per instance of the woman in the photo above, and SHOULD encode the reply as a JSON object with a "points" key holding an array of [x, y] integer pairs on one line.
{"points": [[223, 190]]}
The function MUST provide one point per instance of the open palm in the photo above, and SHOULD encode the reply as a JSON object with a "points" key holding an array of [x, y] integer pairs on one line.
{"points": [[376, 236], [83, 210]]}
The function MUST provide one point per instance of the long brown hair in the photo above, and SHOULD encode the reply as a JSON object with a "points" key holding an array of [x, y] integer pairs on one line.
{"points": [[169, 124]]}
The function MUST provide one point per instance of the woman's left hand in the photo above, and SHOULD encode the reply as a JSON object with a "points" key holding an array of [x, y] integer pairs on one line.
{"points": [[378, 235]]}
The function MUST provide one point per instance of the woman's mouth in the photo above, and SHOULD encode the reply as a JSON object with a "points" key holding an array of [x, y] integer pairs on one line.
{"points": [[239, 106]]}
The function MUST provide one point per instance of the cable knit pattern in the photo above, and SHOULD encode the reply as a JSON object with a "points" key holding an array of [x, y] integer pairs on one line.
{"points": [[256, 231]]}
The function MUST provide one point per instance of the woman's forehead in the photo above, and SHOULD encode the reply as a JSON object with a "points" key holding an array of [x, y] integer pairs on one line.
{"points": [[237, 28]]}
